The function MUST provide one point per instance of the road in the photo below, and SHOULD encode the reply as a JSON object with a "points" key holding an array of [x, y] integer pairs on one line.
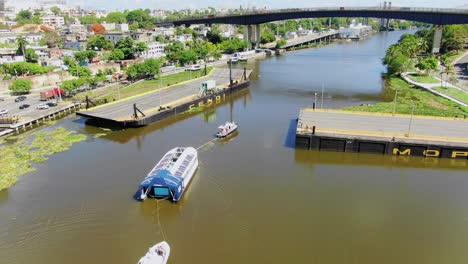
{"points": [[384, 125], [461, 72], [123, 110]]}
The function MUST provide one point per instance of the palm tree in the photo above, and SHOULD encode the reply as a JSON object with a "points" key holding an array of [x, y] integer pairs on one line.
{"points": [[22, 42], [448, 71]]}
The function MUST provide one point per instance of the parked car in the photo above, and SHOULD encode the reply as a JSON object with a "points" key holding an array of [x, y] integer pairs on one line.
{"points": [[194, 67], [24, 106], [20, 98], [3, 112], [51, 104], [42, 106]]}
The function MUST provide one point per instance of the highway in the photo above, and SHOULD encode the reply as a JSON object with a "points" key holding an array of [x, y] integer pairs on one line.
{"points": [[123, 110]]}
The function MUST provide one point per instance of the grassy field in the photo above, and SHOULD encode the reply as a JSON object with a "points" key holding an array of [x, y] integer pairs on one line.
{"points": [[423, 79], [452, 92], [425, 103], [17, 158], [112, 93]]}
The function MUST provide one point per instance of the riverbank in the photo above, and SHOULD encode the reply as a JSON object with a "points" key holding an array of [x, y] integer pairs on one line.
{"points": [[424, 102]]}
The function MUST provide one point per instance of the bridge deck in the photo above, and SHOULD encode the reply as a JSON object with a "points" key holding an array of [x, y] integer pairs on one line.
{"points": [[123, 110], [425, 130]]}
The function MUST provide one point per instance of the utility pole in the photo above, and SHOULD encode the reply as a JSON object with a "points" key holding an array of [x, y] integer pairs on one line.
{"points": [[315, 100], [321, 104]]}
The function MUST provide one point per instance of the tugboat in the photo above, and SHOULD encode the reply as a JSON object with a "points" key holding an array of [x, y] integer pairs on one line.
{"points": [[158, 254], [171, 176], [226, 129]]}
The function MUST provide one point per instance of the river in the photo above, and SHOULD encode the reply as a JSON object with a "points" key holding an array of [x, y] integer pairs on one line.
{"points": [[254, 199]]}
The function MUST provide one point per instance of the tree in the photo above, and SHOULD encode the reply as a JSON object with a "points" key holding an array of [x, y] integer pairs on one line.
{"points": [[31, 56], [174, 50], [21, 42], [267, 36], [453, 37], [188, 56], [148, 68], [280, 43], [137, 16], [98, 29], [140, 47], [234, 45], [79, 71], [116, 55], [126, 45], [399, 64], [99, 42], [52, 40], [116, 17], [428, 64], [69, 61], [55, 10], [85, 56], [89, 20], [20, 86], [214, 36], [24, 15]]}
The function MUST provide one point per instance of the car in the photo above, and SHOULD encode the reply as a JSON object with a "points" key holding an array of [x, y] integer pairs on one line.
{"points": [[20, 98], [42, 106], [24, 106], [51, 104], [194, 67], [3, 112]]}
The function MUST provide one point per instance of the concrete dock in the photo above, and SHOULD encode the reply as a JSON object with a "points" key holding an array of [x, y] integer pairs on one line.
{"points": [[382, 133], [149, 104]]}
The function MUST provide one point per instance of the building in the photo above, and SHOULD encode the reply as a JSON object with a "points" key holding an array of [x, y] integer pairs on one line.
{"points": [[109, 26], [114, 37], [355, 30], [291, 35], [8, 55], [122, 27], [155, 50], [163, 31], [56, 21]]}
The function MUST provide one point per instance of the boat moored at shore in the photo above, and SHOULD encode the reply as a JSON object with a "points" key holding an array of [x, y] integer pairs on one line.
{"points": [[171, 175]]}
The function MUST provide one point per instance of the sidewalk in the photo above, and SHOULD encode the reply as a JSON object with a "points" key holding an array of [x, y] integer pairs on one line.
{"points": [[431, 87]]}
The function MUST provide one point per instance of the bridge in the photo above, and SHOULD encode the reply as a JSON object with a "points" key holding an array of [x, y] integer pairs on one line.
{"points": [[438, 17]]}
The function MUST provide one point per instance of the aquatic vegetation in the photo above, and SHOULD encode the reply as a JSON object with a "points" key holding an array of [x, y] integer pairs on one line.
{"points": [[17, 159]]}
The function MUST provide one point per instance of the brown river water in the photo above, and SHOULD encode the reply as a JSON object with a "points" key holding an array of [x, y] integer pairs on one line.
{"points": [[254, 198]]}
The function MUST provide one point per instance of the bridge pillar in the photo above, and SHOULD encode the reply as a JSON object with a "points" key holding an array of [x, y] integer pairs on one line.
{"points": [[437, 39], [252, 34]]}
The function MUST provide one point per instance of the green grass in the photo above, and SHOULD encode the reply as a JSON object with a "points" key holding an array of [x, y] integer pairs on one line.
{"points": [[112, 93], [453, 92], [423, 79], [17, 158], [425, 103]]}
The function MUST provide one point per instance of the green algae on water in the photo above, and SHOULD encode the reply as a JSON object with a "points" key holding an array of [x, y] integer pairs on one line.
{"points": [[17, 159]]}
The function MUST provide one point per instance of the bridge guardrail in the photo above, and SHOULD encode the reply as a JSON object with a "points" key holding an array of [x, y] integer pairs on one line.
{"points": [[343, 8]]}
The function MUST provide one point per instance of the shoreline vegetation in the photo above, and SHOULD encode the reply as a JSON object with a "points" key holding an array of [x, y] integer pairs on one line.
{"points": [[425, 103], [18, 158]]}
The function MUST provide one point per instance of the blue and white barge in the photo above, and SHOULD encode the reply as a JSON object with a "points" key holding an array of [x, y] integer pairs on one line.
{"points": [[171, 175]]}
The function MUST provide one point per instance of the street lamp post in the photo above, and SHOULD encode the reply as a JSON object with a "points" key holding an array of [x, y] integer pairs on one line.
{"points": [[315, 100], [411, 118]]}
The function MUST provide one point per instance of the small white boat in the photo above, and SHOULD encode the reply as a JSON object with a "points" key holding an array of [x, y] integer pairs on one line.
{"points": [[243, 59], [158, 254], [226, 129]]}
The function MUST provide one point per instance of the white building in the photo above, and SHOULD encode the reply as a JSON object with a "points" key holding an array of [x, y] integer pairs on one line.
{"points": [[109, 26], [355, 30], [155, 50], [122, 27], [163, 31], [57, 21]]}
